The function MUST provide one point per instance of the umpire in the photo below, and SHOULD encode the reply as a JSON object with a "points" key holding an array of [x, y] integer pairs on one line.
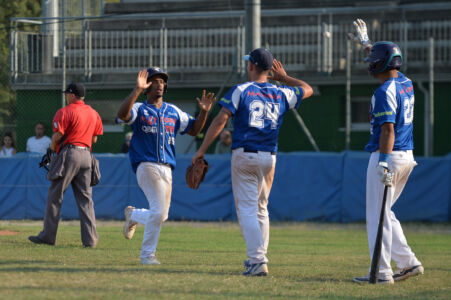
{"points": [[75, 128]]}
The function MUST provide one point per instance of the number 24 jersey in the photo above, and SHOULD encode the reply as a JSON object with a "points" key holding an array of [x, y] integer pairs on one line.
{"points": [[258, 110]]}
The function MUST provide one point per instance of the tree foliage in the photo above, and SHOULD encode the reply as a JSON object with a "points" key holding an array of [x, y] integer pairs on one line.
{"points": [[9, 9]]}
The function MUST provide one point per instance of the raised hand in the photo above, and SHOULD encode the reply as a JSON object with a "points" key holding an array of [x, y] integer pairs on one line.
{"points": [[277, 70], [207, 101], [141, 81], [361, 35]]}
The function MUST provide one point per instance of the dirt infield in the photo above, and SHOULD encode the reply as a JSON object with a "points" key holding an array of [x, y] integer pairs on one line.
{"points": [[7, 232]]}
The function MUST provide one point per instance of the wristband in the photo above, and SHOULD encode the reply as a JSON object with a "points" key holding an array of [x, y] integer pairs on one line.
{"points": [[383, 157]]}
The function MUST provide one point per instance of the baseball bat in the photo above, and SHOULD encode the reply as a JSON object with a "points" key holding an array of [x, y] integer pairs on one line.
{"points": [[374, 272]]}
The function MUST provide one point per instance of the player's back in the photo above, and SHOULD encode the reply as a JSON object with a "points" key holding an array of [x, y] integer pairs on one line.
{"points": [[258, 110]]}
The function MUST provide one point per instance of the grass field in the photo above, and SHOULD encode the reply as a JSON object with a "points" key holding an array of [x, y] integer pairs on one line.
{"points": [[204, 261]]}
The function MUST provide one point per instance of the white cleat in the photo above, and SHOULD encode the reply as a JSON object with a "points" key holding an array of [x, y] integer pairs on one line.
{"points": [[402, 274], [152, 260], [366, 279], [129, 226], [260, 269]]}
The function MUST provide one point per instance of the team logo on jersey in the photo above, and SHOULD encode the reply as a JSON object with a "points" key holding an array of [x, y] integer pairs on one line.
{"points": [[297, 91], [149, 129], [55, 124]]}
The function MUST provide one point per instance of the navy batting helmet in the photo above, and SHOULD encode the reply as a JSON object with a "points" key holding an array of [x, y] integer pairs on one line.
{"points": [[152, 71], [384, 56]]}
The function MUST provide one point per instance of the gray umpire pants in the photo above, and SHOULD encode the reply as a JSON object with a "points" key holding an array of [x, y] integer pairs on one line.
{"points": [[76, 170]]}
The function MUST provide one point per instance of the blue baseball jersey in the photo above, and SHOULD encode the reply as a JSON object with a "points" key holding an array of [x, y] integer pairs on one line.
{"points": [[393, 103], [154, 132], [258, 110]]}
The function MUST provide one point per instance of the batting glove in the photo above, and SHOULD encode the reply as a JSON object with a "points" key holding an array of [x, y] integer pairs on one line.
{"points": [[361, 33], [385, 176]]}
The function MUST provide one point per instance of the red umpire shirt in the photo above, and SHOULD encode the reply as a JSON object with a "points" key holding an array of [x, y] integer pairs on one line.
{"points": [[78, 122]]}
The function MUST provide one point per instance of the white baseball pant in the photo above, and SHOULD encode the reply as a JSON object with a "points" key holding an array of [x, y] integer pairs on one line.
{"points": [[394, 243], [155, 180], [252, 177]]}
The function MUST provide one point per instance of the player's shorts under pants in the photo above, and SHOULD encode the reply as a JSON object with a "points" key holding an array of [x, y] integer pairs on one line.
{"points": [[252, 177], [155, 180], [394, 243]]}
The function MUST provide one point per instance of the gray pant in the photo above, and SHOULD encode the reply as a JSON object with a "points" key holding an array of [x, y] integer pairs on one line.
{"points": [[77, 172]]}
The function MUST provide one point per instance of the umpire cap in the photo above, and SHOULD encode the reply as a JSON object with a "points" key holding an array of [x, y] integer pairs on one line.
{"points": [[77, 89], [260, 57]]}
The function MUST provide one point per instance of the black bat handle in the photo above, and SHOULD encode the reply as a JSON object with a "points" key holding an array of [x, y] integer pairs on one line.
{"points": [[374, 272]]}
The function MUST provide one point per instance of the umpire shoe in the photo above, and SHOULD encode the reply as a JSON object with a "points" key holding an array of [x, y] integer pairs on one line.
{"points": [[151, 260], [129, 226], [402, 274], [260, 269], [35, 239], [366, 279]]}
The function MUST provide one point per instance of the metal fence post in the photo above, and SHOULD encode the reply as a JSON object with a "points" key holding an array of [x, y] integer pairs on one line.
{"points": [[430, 109], [348, 94]]}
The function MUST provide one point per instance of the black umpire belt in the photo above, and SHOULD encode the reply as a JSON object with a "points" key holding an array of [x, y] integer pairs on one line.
{"points": [[256, 151]]}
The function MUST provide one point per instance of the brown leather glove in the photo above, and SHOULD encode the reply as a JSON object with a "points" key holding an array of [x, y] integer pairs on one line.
{"points": [[195, 173]]}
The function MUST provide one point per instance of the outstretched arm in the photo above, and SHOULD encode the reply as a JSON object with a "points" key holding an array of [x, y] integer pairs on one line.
{"points": [[205, 105], [126, 106], [213, 131], [279, 74]]}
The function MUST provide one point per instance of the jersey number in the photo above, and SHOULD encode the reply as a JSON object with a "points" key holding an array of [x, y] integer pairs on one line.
{"points": [[408, 110], [259, 111]]}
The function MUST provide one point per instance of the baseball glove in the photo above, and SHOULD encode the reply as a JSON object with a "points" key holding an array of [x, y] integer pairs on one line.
{"points": [[195, 173], [46, 158]]}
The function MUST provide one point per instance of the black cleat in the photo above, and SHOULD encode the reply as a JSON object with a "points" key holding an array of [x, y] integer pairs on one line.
{"points": [[35, 239]]}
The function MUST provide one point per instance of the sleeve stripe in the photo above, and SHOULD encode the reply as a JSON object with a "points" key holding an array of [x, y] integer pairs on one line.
{"points": [[291, 97], [184, 119], [391, 96], [134, 113]]}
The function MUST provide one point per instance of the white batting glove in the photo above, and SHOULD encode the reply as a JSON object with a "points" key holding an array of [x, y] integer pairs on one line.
{"points": [[385, 176], [361, 35]]}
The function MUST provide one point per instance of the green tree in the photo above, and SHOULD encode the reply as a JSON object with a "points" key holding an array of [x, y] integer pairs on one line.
{"points": [[9, 9]]}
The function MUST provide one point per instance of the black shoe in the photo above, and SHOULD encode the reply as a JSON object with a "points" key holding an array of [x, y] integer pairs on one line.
{"points": [[35, 239]]}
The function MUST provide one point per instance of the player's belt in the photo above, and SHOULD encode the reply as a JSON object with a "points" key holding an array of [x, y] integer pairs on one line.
{"points": [[256, 151], [77, 147]]}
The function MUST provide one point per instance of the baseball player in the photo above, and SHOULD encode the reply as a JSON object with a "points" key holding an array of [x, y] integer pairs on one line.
{"points": [[155, 125], [258, 108], [391, 161]]}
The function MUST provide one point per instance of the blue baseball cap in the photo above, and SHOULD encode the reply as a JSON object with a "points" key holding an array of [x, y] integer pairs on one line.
{"points": [[260, 57]]}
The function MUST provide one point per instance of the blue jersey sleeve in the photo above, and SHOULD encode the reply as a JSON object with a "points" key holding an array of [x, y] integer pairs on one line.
{"points": [[186, 121], [231, 100], [293, 95], [384, 106]]}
